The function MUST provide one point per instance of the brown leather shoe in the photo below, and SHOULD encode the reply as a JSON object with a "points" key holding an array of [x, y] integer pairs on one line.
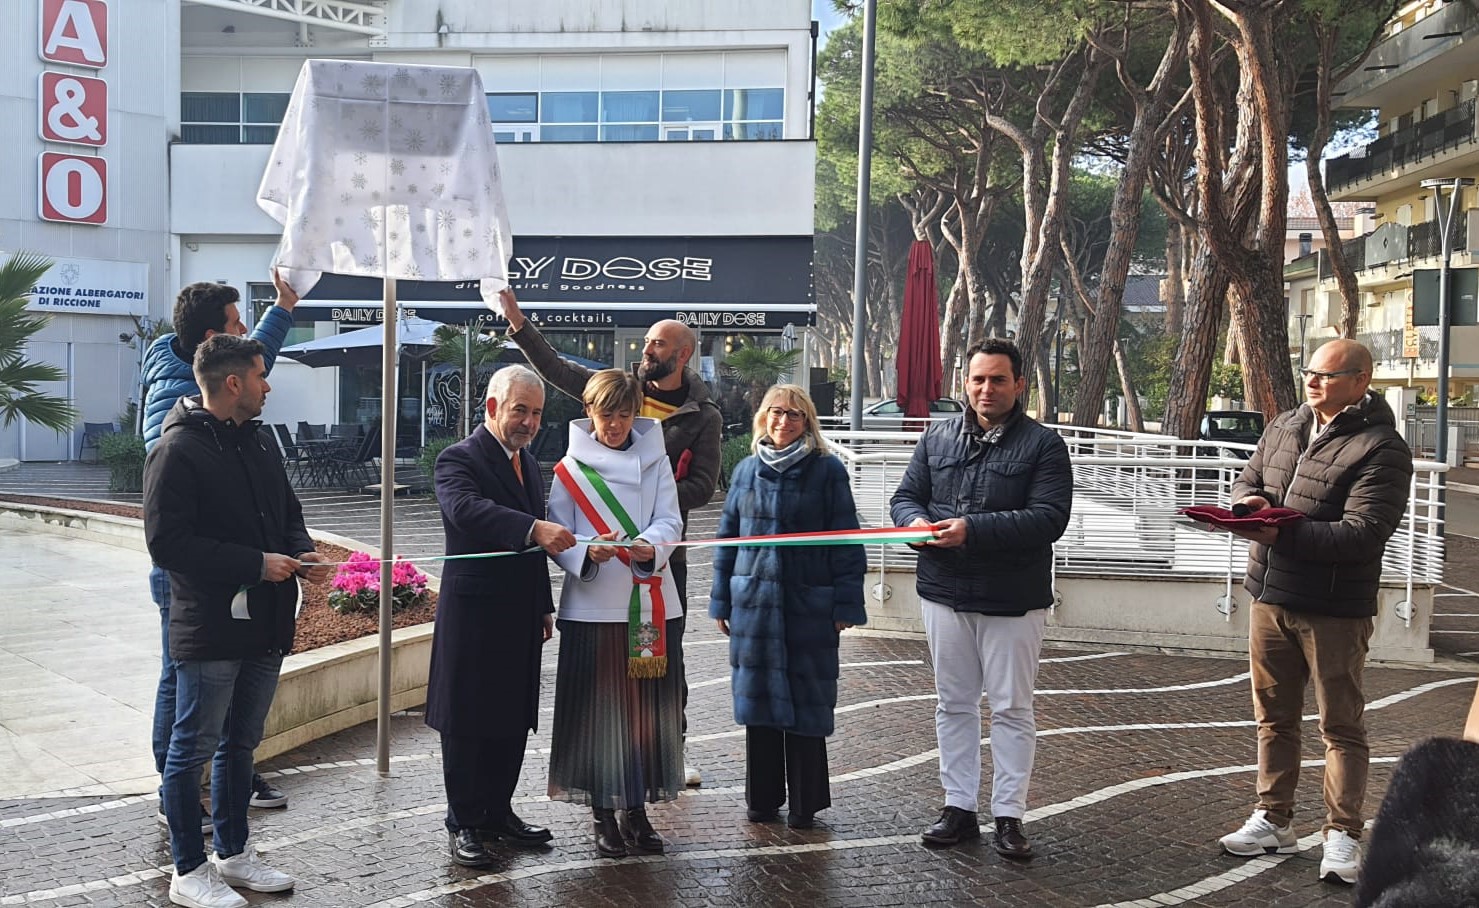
{"points": [[637, 830], [608, 834], [953, 827], [1010, 841]]}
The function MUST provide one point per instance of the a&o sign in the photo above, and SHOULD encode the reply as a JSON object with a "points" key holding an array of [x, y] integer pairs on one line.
{"points": [[73, 109]]}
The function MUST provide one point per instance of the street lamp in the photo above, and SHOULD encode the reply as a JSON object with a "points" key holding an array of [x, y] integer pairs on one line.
{"points": [[1455, 186]]}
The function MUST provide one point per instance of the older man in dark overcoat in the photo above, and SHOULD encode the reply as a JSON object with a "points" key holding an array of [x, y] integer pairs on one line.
{"points": [[493, 616]]}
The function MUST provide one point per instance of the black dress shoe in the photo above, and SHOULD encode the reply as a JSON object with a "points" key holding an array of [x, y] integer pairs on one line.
{"points": [[1010, 840], [516, 832], [608, 834], [467, 849], [797, 819], [638, 833], [762, 816], [953, 827]]}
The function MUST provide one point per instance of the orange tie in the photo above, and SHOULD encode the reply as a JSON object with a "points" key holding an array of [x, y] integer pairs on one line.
{"points": [[518, 468]]}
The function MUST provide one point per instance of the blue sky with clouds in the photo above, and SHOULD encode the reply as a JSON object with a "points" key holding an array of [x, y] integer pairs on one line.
{"points": [[823, 12]]}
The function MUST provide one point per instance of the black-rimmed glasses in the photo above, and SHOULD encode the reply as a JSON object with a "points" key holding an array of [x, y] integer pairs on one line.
{"points": [[1323, 377]]}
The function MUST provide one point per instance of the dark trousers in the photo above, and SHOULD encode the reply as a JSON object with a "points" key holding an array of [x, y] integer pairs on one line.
{"points": [[675, 640], [480, 775], [776, 760]]}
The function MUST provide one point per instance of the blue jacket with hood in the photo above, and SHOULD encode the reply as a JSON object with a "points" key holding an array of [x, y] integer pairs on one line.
{"points": [[168, 376]]}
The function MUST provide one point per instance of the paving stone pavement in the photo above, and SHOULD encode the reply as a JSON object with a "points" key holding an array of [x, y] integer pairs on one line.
{"points": [[1143, 760]]}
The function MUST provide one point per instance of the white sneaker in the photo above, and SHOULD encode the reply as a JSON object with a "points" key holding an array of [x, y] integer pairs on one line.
{"points": [[247, 871], [203, 888], [691, 775], [1260, 836], [1342, 859]]}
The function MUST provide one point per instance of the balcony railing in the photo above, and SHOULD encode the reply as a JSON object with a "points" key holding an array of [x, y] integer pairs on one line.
{"points": [[1422, 241], [1418, 142]]}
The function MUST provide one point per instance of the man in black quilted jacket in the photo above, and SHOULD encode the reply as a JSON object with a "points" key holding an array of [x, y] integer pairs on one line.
{"points": [[1338, 460], [997, 488]]}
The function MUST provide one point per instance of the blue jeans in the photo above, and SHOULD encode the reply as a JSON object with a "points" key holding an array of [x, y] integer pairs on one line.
{"points": [[217, 702], [164, 697]]}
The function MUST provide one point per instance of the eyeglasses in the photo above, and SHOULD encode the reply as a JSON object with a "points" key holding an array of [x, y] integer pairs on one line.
{"points": [[1323, 377], [783, 413]]}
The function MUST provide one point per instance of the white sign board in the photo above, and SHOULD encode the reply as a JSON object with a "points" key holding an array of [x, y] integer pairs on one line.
{"points": [[92, 287]]}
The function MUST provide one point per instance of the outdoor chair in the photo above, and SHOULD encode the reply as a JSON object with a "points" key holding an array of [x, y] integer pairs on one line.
{"points": [[292, 455], [353, 465], [308, 432], [92, 432]]}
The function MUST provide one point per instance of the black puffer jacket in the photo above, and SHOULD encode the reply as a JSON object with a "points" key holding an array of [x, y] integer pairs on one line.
{"points": [[1015, 494], [1352, 486], [216, 498]]}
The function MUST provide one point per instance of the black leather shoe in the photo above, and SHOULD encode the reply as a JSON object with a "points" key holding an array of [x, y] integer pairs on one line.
{"points": [[516, 832], [762, 816], [608, 834], [953, 827], [638, 831], [1010, 840], [797, 819], [467, 849]]}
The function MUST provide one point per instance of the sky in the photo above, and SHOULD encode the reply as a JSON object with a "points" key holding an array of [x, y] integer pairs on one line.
{"points": [[823, 12]]}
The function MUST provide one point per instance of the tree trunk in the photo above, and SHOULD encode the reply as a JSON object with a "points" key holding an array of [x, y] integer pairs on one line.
{"points": [[1173, 288], [1127, 387], [1191, 370]]}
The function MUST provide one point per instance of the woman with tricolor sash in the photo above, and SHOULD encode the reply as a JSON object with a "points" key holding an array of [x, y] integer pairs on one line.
{"points": [[618, 727], [784, 606]]}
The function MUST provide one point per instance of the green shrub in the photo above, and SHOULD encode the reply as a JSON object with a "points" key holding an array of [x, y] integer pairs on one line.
{"points": [[427, 459], [735, 450], [124, 455]]}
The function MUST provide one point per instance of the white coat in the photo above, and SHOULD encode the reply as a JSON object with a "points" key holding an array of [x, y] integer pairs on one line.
{"points": [[641, 478]]}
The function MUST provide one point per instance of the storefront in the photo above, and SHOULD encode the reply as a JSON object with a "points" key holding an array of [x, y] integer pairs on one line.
{"points": [[595, 297]]}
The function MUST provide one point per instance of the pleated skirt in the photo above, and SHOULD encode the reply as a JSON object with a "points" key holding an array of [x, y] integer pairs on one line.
{"points": [[617, 741]]}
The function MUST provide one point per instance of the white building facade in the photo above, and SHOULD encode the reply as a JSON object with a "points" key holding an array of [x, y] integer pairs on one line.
{"points": [[657, 162]]}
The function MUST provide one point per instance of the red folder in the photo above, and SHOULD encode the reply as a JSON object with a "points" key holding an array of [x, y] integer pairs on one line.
{"points": [[1222, 517]]}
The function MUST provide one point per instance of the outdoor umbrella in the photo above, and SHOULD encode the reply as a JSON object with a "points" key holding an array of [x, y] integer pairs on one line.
{"points": [[415, 337], [919, 335]]}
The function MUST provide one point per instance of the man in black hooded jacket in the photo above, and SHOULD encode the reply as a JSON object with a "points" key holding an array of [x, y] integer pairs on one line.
{"points": [[222, 519]]}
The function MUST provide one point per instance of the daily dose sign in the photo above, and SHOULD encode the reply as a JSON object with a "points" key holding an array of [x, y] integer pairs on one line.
{"points": [[73, 110]]}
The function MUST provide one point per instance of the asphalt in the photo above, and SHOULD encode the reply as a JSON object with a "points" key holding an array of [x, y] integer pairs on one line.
{"points": [[1143, 760]]}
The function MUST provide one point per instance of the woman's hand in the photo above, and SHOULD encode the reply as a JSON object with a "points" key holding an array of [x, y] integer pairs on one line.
{"points": [[601, 554], [723, 626], [642, 550]]}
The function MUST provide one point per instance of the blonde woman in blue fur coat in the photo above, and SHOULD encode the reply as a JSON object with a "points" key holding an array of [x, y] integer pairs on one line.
{"points": [[784, 608]]}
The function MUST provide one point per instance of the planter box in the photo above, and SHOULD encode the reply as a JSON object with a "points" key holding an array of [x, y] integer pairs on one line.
{"points": [[319, 692]]}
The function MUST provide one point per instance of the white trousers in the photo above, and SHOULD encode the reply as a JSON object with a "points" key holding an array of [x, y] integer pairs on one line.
{"points": [[997, 655]]}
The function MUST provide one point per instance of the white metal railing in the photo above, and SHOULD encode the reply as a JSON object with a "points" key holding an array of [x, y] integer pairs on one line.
{"points": [[1128, 489]]}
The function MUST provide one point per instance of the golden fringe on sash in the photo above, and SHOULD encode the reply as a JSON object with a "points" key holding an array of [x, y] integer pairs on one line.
{"points": [[647, 667]]}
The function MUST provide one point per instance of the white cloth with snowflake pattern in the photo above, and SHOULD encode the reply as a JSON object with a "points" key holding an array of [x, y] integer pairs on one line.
{"points": [[388, 170]]}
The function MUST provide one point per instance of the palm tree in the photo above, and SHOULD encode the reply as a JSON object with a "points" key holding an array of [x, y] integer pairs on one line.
{"points": [[19, 376], [757, 368], [451, 347]]}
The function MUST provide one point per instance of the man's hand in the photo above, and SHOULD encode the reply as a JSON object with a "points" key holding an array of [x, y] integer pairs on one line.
{"points": [[1252, 503], [316, 574], [919, 522], [511, 310], [287, 297], [949, 533], [723, 626], [552, 537], [600, 554], [277, 568], [641, 550], [842, 626], [547, 628]]}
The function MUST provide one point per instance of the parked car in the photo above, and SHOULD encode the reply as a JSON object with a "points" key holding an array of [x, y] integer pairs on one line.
{"points": [[887, 414], [1240, 426]]}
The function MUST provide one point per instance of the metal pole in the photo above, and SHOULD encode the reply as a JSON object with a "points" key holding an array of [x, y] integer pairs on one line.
{"points": [[387, 517], [865, 173], [467, 380], [1445, 318], [1057, 371]]}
